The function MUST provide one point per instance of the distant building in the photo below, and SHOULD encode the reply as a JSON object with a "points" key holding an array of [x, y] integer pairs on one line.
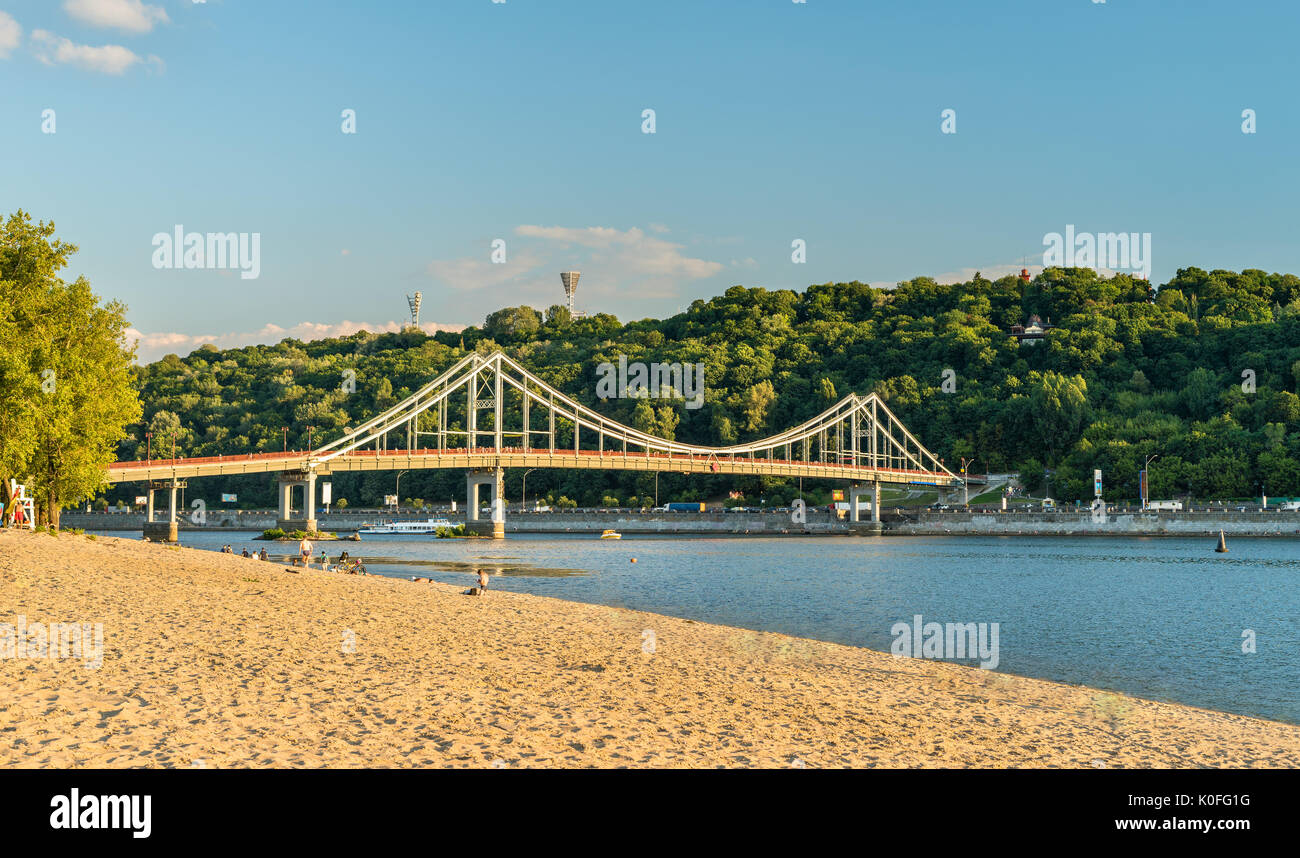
{"points": [[1033, 330]]}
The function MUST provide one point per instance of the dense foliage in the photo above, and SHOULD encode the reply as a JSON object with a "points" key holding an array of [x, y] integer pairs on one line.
{"points": [[66, 390], [1203, 373]]}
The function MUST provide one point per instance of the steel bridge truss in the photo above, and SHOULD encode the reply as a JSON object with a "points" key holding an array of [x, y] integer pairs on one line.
{"points": [[490, 405]]}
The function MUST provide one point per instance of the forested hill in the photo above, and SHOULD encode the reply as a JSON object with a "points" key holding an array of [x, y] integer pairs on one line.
{"points": [[1203, 372]]}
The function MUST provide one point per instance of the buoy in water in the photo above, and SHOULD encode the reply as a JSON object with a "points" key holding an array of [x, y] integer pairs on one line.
{"points": [[633, 559], [1222, 547]]}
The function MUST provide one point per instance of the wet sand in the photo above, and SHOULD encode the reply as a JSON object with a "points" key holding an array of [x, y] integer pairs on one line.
{"points": [[215, 661]]}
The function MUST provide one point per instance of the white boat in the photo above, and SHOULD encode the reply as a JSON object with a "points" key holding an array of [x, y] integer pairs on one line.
{"points": [[417, 527]]}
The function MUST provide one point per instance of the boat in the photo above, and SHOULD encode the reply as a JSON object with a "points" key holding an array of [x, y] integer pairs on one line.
{"points": [[413, 527], [611, 534]]}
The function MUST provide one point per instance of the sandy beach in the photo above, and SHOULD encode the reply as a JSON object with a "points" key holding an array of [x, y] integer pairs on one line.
{"points": [[217, 661]]}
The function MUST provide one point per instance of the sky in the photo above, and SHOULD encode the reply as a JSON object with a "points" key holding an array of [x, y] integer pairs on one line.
{"points": [[523, 122]]}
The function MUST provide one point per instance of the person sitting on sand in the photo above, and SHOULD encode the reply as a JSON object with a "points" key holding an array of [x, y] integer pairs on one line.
{"points": [[263, 553], [245, 550], [304, 551], [343, 557]]}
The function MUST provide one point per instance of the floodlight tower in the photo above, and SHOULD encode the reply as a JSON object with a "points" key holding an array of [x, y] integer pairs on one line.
{"points": [[414, 302], [570, 281]]}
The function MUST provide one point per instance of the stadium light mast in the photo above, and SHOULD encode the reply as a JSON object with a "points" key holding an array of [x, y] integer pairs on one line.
{"points": [[414, 302], [570, 281]]}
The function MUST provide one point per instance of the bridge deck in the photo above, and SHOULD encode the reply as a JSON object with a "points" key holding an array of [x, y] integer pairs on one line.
{"points": [[508, 457]]}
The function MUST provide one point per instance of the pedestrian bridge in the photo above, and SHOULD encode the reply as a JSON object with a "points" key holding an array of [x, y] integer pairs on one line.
{"points": [[487, 413]]}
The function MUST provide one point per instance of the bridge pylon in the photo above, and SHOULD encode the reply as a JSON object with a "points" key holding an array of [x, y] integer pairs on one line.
{"points": [[286, 520], [495, 478], [162, 531]]}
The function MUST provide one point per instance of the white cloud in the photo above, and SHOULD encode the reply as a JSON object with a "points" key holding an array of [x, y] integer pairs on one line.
{"points": [[153, 346], [106, 59], [11, 35], [132, 16], [630, 252], [615, 263]]}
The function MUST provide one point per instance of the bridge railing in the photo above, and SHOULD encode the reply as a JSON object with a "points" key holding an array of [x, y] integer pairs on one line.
{"points": [[689, 458]]}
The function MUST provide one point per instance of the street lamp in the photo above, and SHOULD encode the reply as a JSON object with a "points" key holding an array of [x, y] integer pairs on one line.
{"points": [[523, 491], [148, 446], [1146, 466], [397, 489], [965, 479], [285, 430], [310, 429]]}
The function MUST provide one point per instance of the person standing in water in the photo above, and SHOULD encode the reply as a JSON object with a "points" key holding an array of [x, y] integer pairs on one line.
{"points": [[304, 551], [482, 581]]}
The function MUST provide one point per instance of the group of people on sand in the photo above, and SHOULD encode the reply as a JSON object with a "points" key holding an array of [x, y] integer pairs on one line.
{"points": [[342, 564], [255, 555]]}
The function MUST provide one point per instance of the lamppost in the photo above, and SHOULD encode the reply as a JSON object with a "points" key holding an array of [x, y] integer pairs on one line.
{"points": [[1146, 466], [310, 429], [285, 430], [397, 489], [965, 479], [523, 491], [148, 446]]}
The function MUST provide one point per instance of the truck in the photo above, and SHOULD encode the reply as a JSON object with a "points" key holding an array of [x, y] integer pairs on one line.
{"points": [[683, 507]]}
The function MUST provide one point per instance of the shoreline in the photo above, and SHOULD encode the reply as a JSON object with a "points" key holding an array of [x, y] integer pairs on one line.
{"points": [[234, 662], [1197, 525]]}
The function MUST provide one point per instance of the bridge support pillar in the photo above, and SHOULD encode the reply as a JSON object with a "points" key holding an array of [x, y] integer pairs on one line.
{"points": [[290, 480], [496, 525], [875, 501], [856, 491], [162, 531]]}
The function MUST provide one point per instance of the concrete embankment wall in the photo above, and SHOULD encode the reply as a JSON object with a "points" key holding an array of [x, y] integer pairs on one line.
{"points": [[1116, 524], [916, 524], [679, 522]]}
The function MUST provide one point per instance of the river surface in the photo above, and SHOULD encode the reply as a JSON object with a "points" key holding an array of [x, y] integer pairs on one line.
{"points": [[1161, 618]]}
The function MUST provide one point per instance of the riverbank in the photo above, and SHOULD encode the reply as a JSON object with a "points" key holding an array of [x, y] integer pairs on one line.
{"points": [[816, 522], [218, 661]]}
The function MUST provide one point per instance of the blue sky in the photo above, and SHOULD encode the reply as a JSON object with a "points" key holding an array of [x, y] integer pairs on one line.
{"points": [[522, 121]]}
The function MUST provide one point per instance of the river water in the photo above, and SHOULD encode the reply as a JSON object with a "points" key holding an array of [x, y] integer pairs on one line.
{"points": [[1162, 618]]}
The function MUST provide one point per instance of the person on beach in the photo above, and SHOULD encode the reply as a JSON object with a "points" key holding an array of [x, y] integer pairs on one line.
{"points": [[482, 581], [304, 551], [245, 551], [263, 553]]}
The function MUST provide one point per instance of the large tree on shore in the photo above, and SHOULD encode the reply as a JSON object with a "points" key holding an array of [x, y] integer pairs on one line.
{"points": [[66, 392]]}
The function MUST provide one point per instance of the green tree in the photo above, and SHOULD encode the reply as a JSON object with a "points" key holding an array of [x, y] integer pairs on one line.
{"points": [[757, 403], [1059, 408], [76, 348]]}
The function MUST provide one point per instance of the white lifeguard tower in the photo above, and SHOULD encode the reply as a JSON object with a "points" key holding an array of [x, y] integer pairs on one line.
{"points": [[21, 509]]}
